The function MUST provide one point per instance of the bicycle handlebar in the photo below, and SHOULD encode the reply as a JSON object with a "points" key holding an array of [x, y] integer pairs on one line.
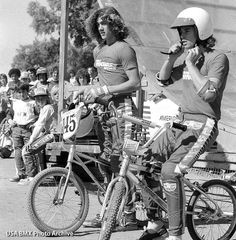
{"points": [[101, 101], [137, 120]]}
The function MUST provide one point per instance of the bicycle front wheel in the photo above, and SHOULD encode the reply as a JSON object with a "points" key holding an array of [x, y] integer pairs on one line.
{"points": [[110, 216], [203, 220], [48, 210]]}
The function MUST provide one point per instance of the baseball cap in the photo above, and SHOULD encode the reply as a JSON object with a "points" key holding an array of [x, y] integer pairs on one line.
{"points": [[40, 92]]}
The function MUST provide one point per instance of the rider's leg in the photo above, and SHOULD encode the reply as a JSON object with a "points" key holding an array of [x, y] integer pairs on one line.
{"points": [[187, 148]]}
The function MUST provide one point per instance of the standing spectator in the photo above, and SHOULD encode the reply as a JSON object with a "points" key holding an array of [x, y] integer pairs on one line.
{"points": [[203, 73], [42, 77], [92, 71], [73, 81], [118, 75], [82, 77], [3, 96], [32, 76], [14, 82], [22, 120], [25, 77], [3, 83], [54, 79]]}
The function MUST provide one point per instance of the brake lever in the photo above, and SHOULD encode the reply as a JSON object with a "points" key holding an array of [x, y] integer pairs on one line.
{"points": [[166, 53]]}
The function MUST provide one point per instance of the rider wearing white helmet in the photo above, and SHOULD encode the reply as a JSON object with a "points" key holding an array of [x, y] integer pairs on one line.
{"points": [[203, 73]]}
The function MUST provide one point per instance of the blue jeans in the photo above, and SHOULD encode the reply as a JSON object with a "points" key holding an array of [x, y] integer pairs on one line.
{"points": [[175, 146], [21, 136]]}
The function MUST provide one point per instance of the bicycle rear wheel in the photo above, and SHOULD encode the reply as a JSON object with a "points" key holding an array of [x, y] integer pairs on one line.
{"points": [[49, 213], [110, 216], [201, 220]]}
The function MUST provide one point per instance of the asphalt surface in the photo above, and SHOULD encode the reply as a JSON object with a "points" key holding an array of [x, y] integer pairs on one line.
{"points": [[15, 222]]}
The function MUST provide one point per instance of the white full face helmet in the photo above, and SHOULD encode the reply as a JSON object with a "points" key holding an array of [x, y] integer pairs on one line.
{"points": [[195, 16]]}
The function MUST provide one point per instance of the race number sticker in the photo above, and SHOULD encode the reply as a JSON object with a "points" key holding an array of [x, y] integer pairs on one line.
{"points": [[70, 122]]}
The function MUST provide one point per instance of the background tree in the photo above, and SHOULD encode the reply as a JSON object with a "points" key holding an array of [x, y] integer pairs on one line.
{"points": [[46, 23]]}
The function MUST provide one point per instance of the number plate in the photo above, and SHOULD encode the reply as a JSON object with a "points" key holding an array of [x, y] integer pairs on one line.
{"points": [[70, 122]]}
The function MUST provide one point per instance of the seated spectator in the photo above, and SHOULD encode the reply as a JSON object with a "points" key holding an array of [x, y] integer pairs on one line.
{"points": [[43, 127], [24, 115]]}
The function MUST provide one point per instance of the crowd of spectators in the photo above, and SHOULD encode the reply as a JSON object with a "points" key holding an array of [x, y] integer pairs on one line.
{"points": [[21, 94]]}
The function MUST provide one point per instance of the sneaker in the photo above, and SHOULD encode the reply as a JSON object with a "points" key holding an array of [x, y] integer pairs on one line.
{"points": [[17, 178], [25, 181], [93, 223], [148, 235], [128, 223]]}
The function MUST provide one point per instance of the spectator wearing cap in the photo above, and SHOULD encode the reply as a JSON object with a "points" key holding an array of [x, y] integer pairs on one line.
{"points": [[46, 123], [21, 119], [42, 77], [25, 77]]}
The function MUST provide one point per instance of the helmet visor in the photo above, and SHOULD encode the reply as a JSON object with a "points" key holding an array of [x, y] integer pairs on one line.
{"points": [[181, 22]]}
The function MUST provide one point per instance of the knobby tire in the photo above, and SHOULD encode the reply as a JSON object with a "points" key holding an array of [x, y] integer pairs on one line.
{"points": [[201, 224], [110, 217]]}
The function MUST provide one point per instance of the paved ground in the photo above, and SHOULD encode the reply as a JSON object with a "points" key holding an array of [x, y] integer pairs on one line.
{"points": [[14, 217]]}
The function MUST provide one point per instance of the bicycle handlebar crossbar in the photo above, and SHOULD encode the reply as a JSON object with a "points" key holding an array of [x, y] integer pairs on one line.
{"points": [[137, 120]]}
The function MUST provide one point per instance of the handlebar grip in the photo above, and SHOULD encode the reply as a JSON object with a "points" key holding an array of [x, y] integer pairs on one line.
{"points": [[101, 101], [179, 126]]}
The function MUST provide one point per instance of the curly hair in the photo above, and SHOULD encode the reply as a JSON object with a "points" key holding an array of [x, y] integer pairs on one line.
{"points": [[113, 19], [208, 43], [15, 71]]}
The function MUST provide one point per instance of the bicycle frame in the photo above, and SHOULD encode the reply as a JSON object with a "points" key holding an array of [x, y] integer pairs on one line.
{"points": [[124, 173], [75, 157]]}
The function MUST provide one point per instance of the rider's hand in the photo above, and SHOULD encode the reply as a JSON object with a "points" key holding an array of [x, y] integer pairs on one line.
{"points": [[94, 92], [193, 55], [27, 147], [176, 50]]}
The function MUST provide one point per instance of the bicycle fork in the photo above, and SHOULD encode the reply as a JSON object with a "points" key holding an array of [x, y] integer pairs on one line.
{"points": [[120, 177], [60, 194]]}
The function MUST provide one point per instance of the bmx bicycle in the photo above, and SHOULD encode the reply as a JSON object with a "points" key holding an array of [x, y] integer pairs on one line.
{"points": [[58, 199], [210, 211]]}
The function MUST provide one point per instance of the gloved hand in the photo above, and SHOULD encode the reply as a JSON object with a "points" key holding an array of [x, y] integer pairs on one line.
{"points": [[94, 92], [27, 147]]}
